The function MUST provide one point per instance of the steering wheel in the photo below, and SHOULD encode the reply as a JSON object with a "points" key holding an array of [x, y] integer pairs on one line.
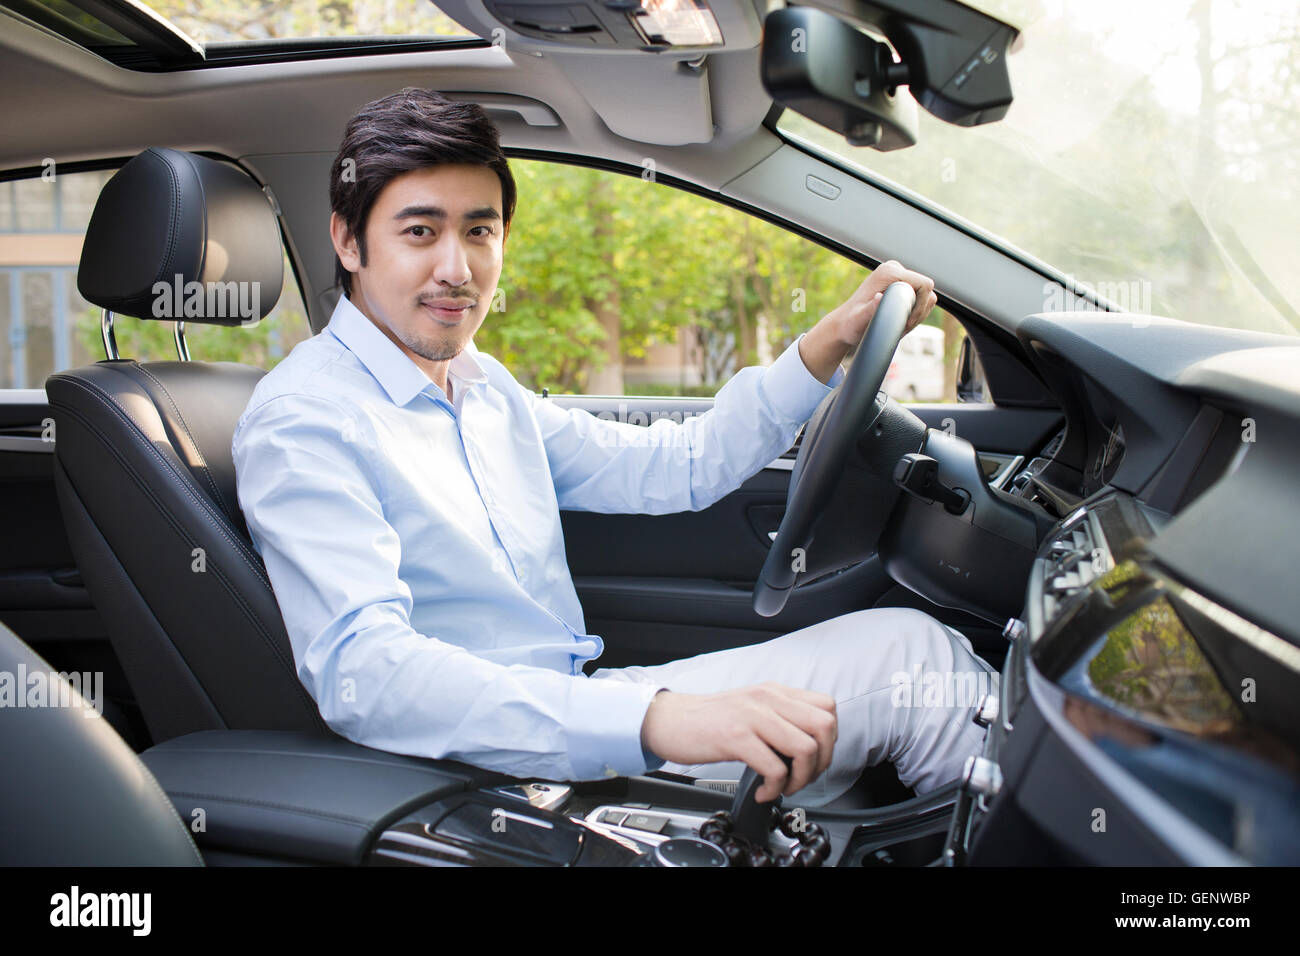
{"points": [[828, 439]]}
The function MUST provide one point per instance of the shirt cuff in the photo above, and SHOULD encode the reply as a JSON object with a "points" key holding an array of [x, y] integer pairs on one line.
{"points": [[605, 729], [652, 761], [791, 389]]}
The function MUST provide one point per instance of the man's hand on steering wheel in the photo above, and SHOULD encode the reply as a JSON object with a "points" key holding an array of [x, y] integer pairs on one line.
{"points": [[837, 430], [841, 329]]}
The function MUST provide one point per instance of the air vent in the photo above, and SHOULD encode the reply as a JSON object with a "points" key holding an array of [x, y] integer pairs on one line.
{"points": [[1076, 557]]}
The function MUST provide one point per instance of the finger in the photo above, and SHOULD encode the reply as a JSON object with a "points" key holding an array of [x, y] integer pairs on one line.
{"points": [[796, 735], [814, 697], [869, 306], [823, 705], [922, 285], [817, 723], [931, 301], [870, 310], [923, 306], [821, 725], [786, 738], [765, 762]]}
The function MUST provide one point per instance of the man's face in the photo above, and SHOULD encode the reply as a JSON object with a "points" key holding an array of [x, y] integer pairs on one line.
{"points": [[434, 246]]}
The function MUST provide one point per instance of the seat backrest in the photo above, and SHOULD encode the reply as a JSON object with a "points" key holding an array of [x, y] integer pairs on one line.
{"points": [[74, 794], [142, 460]]}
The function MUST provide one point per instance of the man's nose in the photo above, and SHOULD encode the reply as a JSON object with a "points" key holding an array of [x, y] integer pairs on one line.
{"points": [[451, 264]]}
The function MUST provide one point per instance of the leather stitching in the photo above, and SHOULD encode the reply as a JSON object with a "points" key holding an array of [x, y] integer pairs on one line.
{"points": [[360, 822], [175, 813], [198, 452], [398, 761], [172, 219]]}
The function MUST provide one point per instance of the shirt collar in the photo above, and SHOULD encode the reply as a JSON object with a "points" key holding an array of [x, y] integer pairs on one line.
{"points": [[401, 378]]}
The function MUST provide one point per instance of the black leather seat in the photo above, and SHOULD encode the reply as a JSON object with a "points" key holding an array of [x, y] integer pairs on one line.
{"points": [[142, 461], [74, 794]]}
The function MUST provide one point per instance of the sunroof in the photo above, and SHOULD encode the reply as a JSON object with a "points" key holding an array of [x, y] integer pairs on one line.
{"points": [[70, 21], [224, 21], [186, 34]]}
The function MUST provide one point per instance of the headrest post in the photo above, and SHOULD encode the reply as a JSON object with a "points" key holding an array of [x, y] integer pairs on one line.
{"points": [[106, 333], [182, 350]]}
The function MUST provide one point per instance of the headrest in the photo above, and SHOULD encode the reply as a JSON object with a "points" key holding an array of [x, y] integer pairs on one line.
{"points": [[178, 236]]}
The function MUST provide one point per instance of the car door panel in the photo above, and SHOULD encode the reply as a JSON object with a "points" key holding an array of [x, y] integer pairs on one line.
{"points": [[661, 587], [42, 598], [37, 569]]}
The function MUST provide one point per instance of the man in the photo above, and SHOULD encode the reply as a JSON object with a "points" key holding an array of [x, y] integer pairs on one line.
{"points": [[404, 491]]}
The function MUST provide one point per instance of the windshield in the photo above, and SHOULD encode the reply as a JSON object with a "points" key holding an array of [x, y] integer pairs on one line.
{"points": [[1150, 154]]}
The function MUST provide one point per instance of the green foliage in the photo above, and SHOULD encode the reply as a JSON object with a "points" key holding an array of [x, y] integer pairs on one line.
{"points": [[672, 261], [263, 345], [1151, 663], [673, 391], [214, 21]]}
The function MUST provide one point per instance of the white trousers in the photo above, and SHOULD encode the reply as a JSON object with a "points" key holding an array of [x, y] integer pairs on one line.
{"points": [[905, 687]]}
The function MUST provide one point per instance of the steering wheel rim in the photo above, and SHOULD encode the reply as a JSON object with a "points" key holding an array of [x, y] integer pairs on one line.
{"points": [[823, 453]]}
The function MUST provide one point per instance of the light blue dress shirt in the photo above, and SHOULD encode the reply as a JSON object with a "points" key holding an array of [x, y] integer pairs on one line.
{"points": [[415, 547]]}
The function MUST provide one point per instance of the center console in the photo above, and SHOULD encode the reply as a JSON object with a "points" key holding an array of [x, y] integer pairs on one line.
{"points": [[280, 798]]}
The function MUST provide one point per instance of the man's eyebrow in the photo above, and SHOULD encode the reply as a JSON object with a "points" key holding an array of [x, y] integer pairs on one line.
{"points": [[437, 212]]}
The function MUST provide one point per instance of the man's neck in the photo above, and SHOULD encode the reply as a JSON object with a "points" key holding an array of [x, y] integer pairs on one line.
{"points": [[436, 371]]}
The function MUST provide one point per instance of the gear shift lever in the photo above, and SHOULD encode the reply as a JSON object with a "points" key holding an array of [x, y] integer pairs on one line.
{"points": [[752, 820], [743, 833]]}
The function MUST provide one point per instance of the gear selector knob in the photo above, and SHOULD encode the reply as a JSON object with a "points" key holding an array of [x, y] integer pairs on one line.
{"points": [[753, 819]]}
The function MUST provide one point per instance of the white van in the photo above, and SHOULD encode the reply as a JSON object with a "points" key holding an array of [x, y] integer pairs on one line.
{"points": [[916, 374]]}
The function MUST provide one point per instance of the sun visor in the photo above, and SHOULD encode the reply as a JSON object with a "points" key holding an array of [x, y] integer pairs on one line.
{"points": [[653, 100], [612, 26]]}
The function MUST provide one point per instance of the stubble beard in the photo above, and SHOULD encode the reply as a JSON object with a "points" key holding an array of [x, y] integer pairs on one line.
{"points": [[441, 345], [435, 350]]}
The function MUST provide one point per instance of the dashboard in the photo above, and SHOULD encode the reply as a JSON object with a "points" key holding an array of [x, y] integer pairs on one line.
{"points": [[1130, 728], [1149, 705]]}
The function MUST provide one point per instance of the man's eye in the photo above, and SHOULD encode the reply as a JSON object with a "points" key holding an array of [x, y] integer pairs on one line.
{"points": [[412, 231], [484, 234]]}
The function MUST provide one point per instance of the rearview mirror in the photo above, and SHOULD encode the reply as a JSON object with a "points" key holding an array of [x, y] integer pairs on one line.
{"points": [[952, 60], [837, 76]]}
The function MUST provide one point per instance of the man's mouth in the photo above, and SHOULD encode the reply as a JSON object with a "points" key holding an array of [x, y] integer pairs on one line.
{"points": [[448, 311]]}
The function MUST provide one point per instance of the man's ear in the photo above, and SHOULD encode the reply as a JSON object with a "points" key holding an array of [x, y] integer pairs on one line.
{"points": [[345, 243]]}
